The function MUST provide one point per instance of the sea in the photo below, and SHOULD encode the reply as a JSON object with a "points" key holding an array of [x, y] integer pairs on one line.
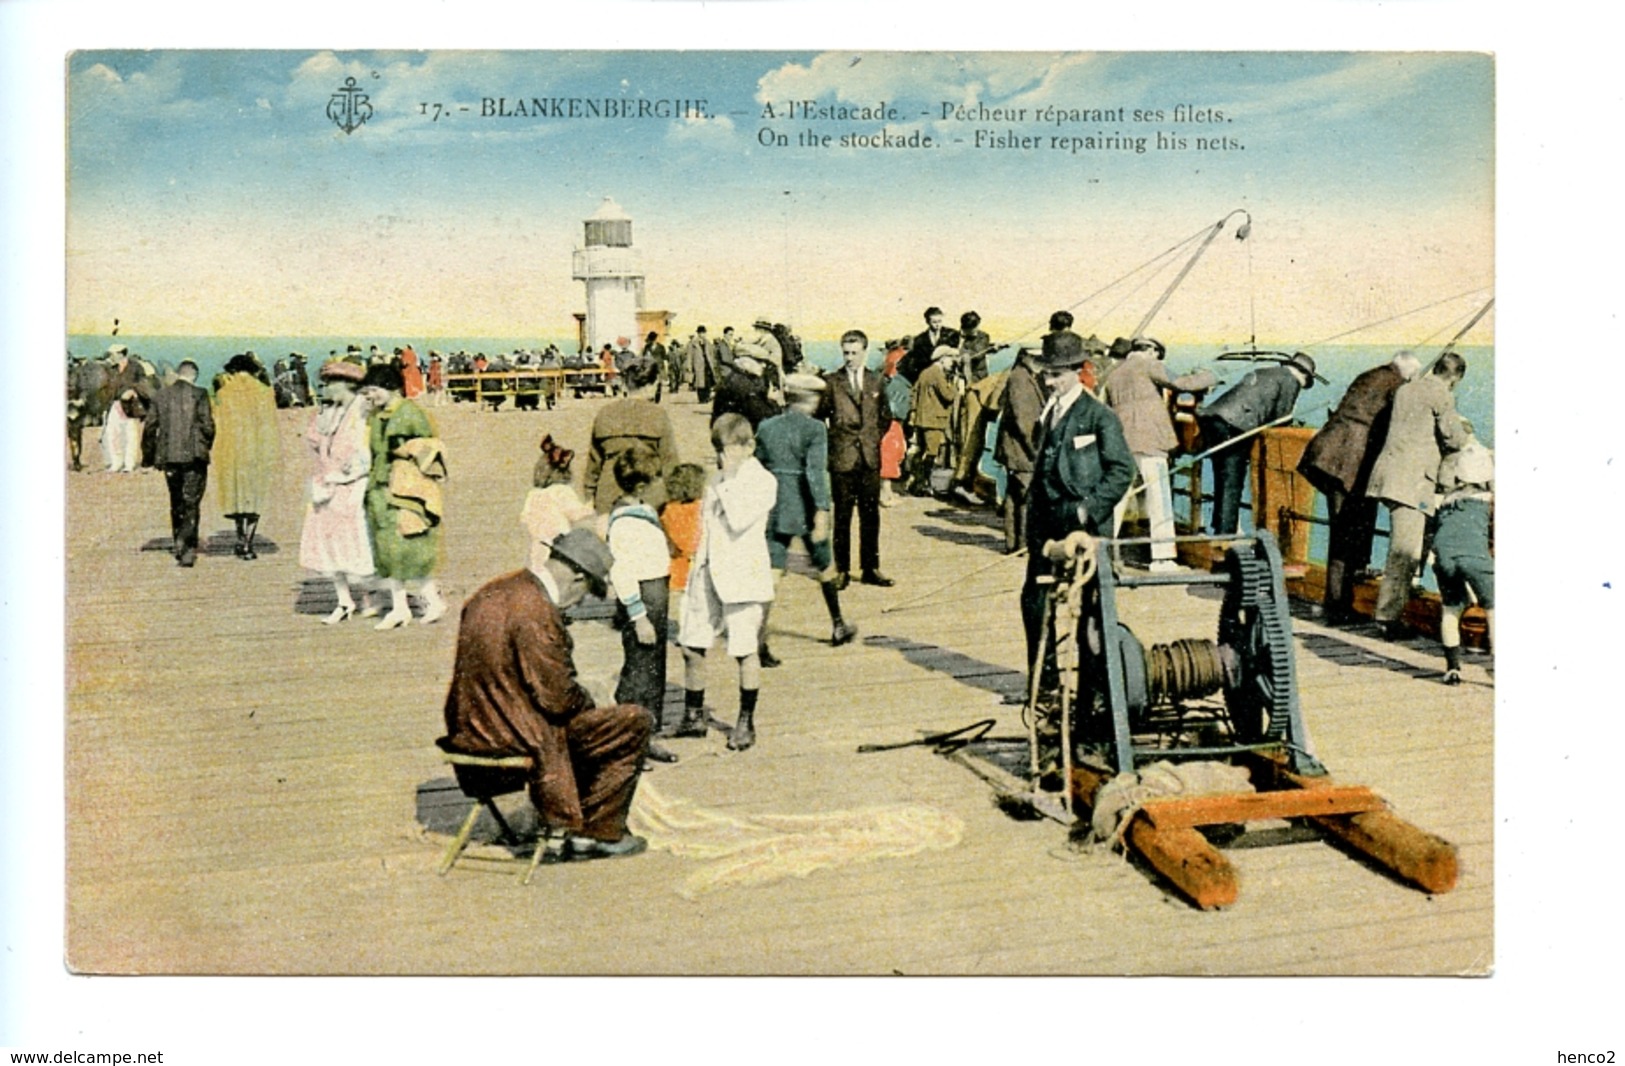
{"points": [[1339, 364]]}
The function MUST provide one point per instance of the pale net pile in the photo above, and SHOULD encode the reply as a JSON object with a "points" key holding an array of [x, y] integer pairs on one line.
{"points": [[741, 850]]}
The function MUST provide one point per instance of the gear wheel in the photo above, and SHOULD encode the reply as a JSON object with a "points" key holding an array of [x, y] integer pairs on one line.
{"points": [[1256, 647]]}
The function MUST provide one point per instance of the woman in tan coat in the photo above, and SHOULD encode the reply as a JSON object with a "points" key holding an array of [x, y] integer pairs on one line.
{"points": [[246, 450]]}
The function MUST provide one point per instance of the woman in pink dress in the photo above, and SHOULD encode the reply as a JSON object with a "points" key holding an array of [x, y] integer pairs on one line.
{"points": [[335, 541]]}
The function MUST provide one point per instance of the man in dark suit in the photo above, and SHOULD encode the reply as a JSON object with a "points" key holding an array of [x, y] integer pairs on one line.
{"points": [[181, 426], [855, 409], [514, 692], [925, 345], [1338, 463], [1082, 468], [1262, 397]]}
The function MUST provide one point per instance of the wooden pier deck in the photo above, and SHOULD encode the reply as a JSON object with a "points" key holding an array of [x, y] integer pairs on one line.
{"points": [[243, 783]]}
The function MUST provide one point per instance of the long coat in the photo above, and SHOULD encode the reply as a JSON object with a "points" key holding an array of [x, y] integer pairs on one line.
{"points": [[246, 446], [1257, 399], [1134, 392], [934, 399], [1422, 427], [617, 427], [701, 369], [514, 691], [794, 447], [181, 422], [1084, 462], [1016, 444], [395, 554], [856, 423], [1340, 456], [334, 538], [733, 535]]}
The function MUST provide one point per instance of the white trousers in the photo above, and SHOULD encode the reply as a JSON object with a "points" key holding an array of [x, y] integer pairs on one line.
{"points": [[121, 440], [1158, 504]]}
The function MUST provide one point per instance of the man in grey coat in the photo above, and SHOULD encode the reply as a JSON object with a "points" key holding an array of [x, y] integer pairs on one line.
{"points": [[1422, 429], [181, 423], [1259, 399], [1338, 463]]}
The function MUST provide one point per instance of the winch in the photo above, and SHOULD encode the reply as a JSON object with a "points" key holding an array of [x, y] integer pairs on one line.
{"points": [[1102, 707]]}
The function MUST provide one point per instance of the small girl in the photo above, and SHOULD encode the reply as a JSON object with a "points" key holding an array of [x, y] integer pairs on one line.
{"points": [[685, 486], [553, 507]]}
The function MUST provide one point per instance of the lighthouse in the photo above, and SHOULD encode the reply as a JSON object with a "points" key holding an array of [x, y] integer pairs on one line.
{"points": [[608, 266]]}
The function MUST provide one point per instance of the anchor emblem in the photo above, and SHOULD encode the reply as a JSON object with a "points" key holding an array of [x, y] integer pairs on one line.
{"points": [[349, 107]]}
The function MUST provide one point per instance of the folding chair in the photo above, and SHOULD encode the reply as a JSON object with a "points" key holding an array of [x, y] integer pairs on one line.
{"points": [[483, 778]]}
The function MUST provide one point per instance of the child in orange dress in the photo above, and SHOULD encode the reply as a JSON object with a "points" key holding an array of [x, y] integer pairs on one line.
{"points": [[685, 487]]}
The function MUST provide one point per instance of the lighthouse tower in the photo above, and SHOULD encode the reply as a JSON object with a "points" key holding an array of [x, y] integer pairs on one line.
{"points": [[609, 267]]}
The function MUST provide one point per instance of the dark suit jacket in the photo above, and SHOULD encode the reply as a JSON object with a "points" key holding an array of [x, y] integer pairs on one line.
{"points": [[856, 423], [1340, 457], [1082, 461], [181, 424], [1258, 399], [514, 690]]}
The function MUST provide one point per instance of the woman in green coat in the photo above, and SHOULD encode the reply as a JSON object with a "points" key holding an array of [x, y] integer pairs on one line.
{"points": [[403, 498]]}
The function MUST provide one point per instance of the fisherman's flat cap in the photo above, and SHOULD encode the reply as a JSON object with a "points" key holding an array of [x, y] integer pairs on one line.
{"points": [[342, 370], [804, 384]]}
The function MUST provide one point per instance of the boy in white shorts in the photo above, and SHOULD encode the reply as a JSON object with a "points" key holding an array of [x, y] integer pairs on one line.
{"points": [[731, 581]]}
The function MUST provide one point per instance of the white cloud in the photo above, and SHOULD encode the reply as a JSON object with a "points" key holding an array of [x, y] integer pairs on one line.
{"points": [[714, 132]]}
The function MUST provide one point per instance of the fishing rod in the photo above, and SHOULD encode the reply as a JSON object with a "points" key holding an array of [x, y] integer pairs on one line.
{"points": [[1482, 311], [1206, 234]]}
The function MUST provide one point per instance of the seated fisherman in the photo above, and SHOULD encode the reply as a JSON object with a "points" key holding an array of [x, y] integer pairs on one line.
{"points": [[514, 692]]}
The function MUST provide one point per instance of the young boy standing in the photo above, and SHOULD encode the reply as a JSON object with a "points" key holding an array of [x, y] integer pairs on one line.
{"points": [[731, 582], [641, 576]]}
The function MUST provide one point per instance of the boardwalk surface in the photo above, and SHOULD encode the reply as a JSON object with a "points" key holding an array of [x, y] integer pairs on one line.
{"points": [[247, 789]]}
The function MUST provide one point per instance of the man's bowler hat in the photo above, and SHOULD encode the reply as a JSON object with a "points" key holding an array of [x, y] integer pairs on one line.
{"points": [[1063, 351]]}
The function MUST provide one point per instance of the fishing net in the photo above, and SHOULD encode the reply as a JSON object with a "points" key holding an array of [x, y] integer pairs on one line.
{"points": [[743, 850]]}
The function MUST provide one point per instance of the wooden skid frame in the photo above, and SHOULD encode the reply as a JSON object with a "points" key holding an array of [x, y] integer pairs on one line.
{"points": [[1164, 831]]}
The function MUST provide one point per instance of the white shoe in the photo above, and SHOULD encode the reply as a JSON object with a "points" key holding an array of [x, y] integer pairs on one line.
{"points": [[394, 620], [341, 613], [433, 612]]}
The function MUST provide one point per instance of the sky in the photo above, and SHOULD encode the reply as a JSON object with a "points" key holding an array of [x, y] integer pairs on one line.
{"points": [[210, 193]]}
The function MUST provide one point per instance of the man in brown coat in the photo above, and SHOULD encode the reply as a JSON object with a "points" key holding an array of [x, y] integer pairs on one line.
{"points": [[635, 419], [1016, 444], [1338, 463], [514, 692]]}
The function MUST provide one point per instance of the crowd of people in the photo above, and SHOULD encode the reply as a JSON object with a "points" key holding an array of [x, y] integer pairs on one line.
{"points": [[794, 455]]}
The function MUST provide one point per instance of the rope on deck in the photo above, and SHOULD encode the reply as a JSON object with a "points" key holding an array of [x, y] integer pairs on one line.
{"points": [[743, 850]]}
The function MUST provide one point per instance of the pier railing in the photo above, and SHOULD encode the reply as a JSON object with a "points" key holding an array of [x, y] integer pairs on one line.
{"points": [[529, 381]]}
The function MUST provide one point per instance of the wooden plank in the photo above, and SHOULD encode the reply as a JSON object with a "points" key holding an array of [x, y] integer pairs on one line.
{"points": [[1186, 859], [1175, 813]]}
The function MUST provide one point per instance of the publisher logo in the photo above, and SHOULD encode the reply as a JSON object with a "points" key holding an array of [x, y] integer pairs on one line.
{"points": [[348, 107]]}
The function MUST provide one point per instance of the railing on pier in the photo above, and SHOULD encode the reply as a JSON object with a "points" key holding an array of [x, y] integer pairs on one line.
{"points": [[529, 381]]}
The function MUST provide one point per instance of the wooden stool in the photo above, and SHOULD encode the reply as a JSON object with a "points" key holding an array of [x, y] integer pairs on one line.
{"points": [[511, 776]]}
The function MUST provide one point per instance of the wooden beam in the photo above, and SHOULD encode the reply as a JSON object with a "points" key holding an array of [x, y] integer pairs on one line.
{"points": [[1425, 860], [1177, 812], [1412, 854], [1185, 858]]}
